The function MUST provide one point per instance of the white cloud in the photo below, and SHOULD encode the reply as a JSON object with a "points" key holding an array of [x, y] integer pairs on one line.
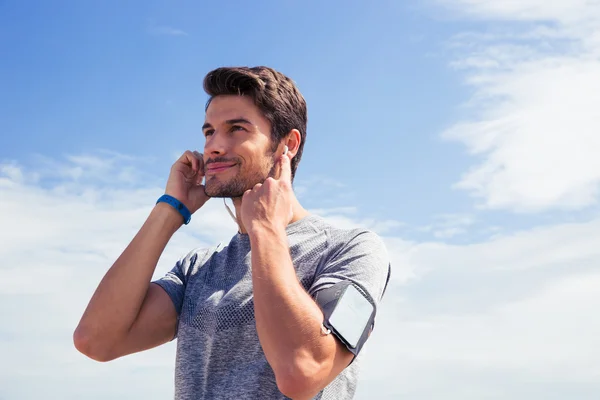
{"points": [[481, 320], [12, 174], [446, 226], [534, 122], [563, 11], [466, 322], [321, 186], [346, 222]]}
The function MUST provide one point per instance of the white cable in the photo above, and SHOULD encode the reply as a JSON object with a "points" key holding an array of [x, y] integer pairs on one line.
{"points": [[230, 212]]}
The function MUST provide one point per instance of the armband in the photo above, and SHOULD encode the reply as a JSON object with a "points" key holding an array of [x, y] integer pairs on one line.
{"points": [[348, 312]]}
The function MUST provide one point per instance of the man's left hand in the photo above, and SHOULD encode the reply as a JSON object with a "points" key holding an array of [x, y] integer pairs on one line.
{"points": [[269, 204]]}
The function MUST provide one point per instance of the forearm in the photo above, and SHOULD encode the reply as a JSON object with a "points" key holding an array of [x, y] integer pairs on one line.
{"points": [[288, 320], [117, 301]]}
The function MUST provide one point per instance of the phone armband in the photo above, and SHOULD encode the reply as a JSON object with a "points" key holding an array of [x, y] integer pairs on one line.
{"points": [[349, 312]]}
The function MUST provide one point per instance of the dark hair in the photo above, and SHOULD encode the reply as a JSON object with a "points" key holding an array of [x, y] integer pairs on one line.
{"points": [[273, 93]]}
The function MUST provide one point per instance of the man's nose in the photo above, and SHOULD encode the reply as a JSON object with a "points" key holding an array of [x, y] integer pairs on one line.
{"points": [[216, 144]]}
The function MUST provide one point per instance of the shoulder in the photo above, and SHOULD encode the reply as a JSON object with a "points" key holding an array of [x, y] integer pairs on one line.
{"points": [[343, 237], [357, 250], [191, 261]]}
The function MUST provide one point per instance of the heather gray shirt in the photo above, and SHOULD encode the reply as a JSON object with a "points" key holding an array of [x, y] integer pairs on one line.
{"points": [[219, 355]]}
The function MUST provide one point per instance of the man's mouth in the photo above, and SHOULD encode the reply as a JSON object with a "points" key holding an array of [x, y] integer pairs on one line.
{"points": [[215, 168]]}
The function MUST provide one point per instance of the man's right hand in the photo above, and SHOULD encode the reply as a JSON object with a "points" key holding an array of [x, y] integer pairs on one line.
{"points": [[185, 181]]}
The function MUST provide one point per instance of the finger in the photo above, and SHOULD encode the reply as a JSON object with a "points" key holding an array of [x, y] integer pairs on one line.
{"points": [[195, 162], [190, 160], [200, 159], [183, 159], [285, 174], [200, 174], [275, 170]]}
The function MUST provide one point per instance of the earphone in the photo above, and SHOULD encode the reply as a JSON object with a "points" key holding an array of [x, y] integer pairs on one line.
{"points": [[285, 150]]}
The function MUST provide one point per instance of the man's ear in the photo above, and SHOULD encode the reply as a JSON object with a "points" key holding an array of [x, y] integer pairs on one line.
{"points": [[292, 141]]}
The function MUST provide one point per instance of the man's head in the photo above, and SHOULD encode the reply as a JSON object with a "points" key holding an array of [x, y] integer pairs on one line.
{"points": [[250, 115]]}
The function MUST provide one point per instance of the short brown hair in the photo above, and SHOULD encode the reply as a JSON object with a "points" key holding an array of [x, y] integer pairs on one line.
{"points": [[273, 93]]}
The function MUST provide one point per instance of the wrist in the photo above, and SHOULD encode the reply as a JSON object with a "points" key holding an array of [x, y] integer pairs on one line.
{"points": [[266, 233], [177, 205], [169, 217]]}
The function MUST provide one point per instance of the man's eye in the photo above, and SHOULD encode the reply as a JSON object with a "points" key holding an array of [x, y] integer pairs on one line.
{"points": [[208, 132], [237, 128]]}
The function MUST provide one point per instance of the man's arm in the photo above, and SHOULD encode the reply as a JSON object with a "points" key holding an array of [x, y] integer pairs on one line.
{"points": [[127, 313], [289, 321]]}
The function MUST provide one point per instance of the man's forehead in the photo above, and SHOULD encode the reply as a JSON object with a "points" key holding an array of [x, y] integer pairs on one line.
{"points": [[223, 108]]}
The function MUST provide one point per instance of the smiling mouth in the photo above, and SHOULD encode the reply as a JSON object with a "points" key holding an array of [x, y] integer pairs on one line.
{"points": [[217, 170]]}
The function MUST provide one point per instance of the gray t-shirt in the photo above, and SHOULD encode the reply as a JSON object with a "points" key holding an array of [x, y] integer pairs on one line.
{"points": [[219, 355]]}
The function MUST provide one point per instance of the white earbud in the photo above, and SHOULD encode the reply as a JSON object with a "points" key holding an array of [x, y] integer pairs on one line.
{"points": [[285, 150]]}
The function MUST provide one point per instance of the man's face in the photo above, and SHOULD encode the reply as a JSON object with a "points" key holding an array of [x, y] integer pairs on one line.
{"points": [[238, 151]]}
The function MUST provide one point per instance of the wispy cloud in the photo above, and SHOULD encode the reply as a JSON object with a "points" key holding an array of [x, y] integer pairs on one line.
{"points": [[350, 218], [477, 321], [446, 226], [533, 121], [565, 12]]}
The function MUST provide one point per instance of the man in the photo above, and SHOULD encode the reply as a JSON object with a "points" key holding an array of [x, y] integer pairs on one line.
{"points": [[276, 312]]}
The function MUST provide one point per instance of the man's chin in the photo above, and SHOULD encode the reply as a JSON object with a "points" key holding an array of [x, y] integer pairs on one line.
{"points": [[223, 193], [220, 187], [224, 196]]}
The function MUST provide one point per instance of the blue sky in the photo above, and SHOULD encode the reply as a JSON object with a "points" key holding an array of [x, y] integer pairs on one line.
{"points": [[464, 132], [129, 79]]}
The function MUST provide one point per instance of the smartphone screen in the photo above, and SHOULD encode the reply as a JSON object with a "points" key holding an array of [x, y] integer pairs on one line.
{"points": [[351, 315]]}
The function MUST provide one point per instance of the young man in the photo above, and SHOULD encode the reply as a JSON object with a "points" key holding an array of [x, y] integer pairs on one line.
{"points": [[284, 308]]}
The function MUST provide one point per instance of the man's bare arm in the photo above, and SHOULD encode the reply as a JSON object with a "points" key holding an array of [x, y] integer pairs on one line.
{"points": [[288, 322], [127, 313]]}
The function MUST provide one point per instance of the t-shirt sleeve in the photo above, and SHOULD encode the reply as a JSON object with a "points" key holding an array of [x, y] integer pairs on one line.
{"points": [[362, 259], [175, 281]]}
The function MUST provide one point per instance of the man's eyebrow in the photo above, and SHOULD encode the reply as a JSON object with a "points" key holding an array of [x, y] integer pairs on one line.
{"points": [[229, 122], [238, 121]]}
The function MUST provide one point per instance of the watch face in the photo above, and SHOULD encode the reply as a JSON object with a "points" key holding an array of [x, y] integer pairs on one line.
{"points": [[351, 315]]}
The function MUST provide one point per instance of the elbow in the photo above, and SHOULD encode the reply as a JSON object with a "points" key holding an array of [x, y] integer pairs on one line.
{"points": [[91, 347], [292, 390], [300, 381]]}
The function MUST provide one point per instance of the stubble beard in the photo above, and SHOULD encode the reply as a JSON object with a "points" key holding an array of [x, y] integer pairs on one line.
{"points": [[236, 186]]}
